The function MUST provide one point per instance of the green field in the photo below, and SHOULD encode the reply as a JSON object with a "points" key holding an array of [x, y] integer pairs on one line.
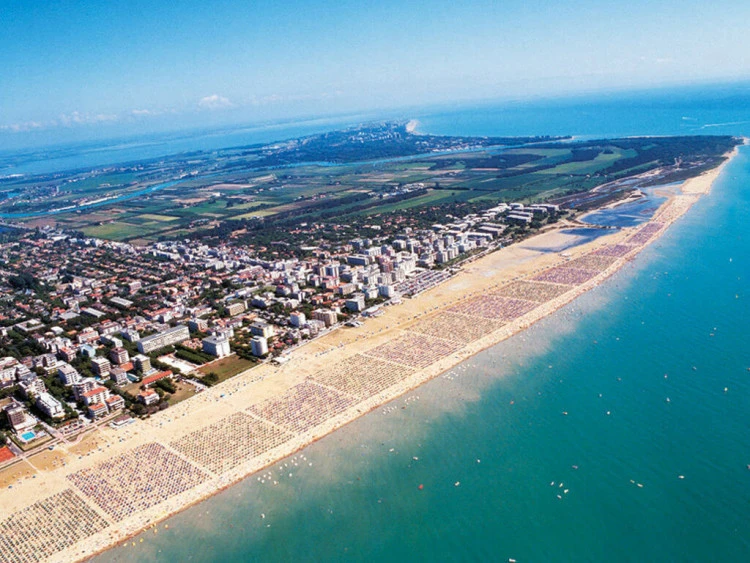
{"points": [[346, 192], [227, 367], [157, 218], [113, 231]]}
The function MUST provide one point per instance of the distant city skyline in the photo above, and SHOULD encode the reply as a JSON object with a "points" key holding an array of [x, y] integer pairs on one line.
{"points": [[80, 71]]}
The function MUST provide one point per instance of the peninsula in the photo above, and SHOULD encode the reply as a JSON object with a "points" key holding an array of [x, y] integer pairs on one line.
{"points": [[360, 282]]}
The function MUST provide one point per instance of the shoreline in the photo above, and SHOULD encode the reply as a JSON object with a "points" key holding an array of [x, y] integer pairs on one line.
{"points": [[243, 396]]}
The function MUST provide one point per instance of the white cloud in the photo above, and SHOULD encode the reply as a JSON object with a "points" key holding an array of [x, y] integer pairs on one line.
{"points": [[214, 102], [22, 127], [292, 98], [657, 60], [78, 118]]}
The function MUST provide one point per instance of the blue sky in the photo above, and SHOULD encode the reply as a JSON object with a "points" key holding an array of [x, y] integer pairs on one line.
{"points": [[108, 67]]}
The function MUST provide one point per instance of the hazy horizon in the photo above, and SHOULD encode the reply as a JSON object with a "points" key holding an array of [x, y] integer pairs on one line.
{"points": [[91, 134], [76, 72]]}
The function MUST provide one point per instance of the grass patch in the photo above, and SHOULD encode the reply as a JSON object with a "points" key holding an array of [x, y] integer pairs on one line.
{"points": [[114, 231], [227, 367], [184, 391], [156, 217], [260, 213]]}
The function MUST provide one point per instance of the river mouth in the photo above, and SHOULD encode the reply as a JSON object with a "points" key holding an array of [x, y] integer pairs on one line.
{"points": [[632, 213]]}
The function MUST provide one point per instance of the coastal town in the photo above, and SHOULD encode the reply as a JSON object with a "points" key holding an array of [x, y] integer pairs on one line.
{"points": [[99, 331], [138, 473], [136, 379], [289, 282]]}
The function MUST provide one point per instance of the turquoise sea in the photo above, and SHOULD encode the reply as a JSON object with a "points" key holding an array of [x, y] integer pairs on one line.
{"points": [[650, 463]]}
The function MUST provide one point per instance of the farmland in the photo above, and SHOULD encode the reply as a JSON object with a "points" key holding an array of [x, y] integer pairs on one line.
{"points": [[338, 178]]}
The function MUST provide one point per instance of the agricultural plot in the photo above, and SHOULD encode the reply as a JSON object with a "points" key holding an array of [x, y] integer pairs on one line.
{"points": [[156, 217], [114, 231], [226, 181]]}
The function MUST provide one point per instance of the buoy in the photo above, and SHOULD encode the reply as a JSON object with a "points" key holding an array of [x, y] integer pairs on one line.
{"points": [[420, 487]]}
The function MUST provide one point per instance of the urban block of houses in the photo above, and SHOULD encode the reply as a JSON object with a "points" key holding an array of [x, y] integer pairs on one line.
{"points": [[161, 339]]}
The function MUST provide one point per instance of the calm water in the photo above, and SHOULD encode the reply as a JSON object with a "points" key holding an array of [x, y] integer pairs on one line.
{"points": [[652, 371], [705, 110], [102, 153]]}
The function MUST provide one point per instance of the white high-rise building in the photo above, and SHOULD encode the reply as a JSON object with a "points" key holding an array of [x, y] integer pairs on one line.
{"points": [[217, 345], [259, 346]]}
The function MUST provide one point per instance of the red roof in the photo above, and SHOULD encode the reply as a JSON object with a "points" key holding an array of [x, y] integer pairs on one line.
{"points": [[94, 391], [156, 377], [6, 454]]}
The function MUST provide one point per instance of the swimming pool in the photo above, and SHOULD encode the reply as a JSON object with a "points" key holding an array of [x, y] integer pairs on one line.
{"points": [[28, 436]]}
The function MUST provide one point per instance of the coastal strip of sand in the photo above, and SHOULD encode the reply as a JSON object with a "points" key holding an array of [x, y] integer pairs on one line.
{"points": [[119, 482]]}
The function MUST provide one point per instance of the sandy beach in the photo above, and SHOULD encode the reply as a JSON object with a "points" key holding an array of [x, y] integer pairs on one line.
{"points": [[115, 483]]}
